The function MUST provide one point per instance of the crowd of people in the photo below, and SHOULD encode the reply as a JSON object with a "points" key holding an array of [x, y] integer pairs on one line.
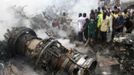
{"points": [[103, 24]]}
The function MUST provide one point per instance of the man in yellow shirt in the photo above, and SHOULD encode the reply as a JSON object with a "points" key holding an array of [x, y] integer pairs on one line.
{"points": [[104, 27]]}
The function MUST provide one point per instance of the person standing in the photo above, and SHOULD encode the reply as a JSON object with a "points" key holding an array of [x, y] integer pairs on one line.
{"points": [[81, 22], [91, 29], [119, 25], [104, 28]]}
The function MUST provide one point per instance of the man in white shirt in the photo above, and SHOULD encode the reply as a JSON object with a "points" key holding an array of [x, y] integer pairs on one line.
{"points": [[81, 22]]}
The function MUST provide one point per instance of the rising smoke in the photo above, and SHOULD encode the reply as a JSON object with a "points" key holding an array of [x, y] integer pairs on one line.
{"points": [[29, 13]]}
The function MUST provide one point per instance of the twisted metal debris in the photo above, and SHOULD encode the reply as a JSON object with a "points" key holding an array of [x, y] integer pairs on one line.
{"points": [[125, 45]]}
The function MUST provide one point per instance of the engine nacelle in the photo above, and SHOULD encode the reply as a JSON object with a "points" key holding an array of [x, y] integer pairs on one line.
{"points": [[48, 53]]}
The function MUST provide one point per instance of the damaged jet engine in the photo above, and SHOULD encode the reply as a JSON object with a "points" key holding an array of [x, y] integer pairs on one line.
{"points": [[48, 53]]}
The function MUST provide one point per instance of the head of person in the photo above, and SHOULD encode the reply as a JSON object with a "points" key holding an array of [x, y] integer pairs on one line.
{"points": [[96, 11], [80, 15], [84, 14], [125, 11], [92, 11], [113, 12], [116, 10], [115, 7], [64, 13], [103, 8], [92, 14]]}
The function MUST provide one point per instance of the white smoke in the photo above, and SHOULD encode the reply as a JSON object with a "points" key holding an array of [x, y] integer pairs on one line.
{"points": [[84, 6], [66, 43], [33, 7]]}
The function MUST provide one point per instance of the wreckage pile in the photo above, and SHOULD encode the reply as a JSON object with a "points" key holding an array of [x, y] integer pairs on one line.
{"points": [[124, 47]]}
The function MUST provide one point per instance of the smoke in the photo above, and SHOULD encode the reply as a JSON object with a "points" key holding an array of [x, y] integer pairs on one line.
{"points": [[52, 8], [66, 43], [19, 12]]}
